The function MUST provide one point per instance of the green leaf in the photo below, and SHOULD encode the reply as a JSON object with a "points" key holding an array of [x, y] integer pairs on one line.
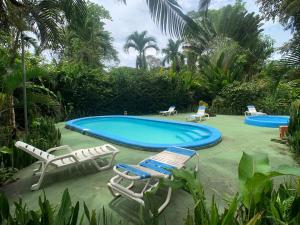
{"points": [[250, 164], [230, 213], [64, 214], [4, 209], [75, 214], [6, 150], [255, 219], [87, 212]]}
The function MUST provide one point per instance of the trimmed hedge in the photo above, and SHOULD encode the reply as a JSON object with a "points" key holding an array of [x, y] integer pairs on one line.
{"points": [[90, 94]]}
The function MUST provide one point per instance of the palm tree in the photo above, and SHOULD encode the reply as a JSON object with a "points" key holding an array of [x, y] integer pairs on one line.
{"points": [[173, 55], [140, 42], [44, 19]]}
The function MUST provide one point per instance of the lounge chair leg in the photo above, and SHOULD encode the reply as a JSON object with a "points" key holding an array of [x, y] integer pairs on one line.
{"points": [[115, 194], [37, 171], [164, 205], [99, 168], [36, 186]]}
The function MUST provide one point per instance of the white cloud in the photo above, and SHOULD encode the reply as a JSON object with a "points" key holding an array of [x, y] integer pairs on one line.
{"points": [[135, 16]]}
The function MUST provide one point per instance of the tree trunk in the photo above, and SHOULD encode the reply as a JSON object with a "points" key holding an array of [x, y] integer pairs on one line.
{"points": [[12, 115], [24, 86]]}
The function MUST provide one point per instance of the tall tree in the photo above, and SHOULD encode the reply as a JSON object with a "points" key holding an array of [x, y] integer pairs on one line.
{"points": [[140, 42], [90, 44], [43, 19], [173, 55], [236, 24]]}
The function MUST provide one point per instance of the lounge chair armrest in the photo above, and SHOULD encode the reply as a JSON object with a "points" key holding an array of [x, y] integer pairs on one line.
{"points": [[64, 157], [59, 148], [111, 147], [125, 174]]}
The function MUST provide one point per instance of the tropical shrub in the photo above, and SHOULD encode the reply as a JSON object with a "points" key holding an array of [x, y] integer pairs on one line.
{"points": [[43, 134], [234, 97], [258, 201], [294, 127], [66, 214]]}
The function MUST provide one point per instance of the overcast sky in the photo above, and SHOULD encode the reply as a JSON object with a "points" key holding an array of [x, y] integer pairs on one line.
{"points": [[135, 17]]}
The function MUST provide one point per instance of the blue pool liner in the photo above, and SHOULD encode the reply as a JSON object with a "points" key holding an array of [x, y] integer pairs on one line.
{"points": [[214, 138], [267, 121]]}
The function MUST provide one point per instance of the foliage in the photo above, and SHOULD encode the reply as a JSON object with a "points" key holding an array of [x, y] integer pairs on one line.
{"points": [[230, 46], [236, 96], [44, 134], [294, 127], [257, 203], [89, 93], [66, 214], [168, 15], [89, 43], [287, 11], [6, 175], [172, 54], [140, 42], [270, 98]]}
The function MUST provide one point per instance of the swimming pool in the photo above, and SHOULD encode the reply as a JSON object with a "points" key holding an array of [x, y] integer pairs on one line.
{"points": [[146, 133], [267, 121]]}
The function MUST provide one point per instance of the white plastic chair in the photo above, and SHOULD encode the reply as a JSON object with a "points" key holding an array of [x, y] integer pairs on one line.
{"points": [[46, 159], [252, 111], [171, 111], [200, 115]]}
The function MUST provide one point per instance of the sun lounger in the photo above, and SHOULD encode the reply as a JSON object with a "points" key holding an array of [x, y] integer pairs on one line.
{"points": [[46, 159], [200, 115], [148, 172], [171, 111], [252, 111]]}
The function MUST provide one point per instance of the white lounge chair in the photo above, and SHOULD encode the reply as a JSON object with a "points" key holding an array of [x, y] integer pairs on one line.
{"points": [[200, 115], [148, 172], [171, 111], [46, 159], [252, 111]]}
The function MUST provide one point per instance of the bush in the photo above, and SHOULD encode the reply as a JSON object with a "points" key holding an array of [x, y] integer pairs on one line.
{"points": [[234, 97], [42, 134], [294, 127], [66, 214], [89, 93]]}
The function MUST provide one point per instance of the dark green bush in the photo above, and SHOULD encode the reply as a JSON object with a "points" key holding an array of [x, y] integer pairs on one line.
{"points": [[294, 127], [43, 134], [234, 97], [90, 93]]}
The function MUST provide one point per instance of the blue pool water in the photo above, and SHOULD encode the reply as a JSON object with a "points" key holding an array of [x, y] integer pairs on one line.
{"points": [[146, 133], [267, 121]]}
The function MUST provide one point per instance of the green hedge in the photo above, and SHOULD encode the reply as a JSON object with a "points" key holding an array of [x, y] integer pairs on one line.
{"points": [[234, 97], [89, 93]]}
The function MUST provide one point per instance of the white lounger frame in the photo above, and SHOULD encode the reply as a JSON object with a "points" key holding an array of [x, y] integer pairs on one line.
{"points": [[171, 111], [200, 115], [252, 111], [47, 160], [118, 189]]}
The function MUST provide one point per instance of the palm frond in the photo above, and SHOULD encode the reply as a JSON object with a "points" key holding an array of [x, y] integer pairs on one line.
{"points": [[167, 14]]}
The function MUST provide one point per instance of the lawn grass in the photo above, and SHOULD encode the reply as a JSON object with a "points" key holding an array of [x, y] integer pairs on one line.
{"points": [[217, 170]]}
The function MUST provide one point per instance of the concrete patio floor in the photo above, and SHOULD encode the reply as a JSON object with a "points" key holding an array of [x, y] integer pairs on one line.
{"points": [[217, 171]]}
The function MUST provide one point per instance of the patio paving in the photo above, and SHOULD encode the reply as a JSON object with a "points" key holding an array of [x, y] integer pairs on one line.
{"points": [[217, 170]]}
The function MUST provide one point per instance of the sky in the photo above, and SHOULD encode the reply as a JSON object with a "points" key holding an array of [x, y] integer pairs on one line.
{"points": [[135, 16]]}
